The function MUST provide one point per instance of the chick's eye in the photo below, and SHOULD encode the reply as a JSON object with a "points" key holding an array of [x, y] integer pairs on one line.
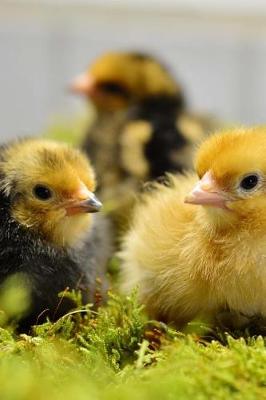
{"points": [[42, 192], [114, 88], [249, 182]]}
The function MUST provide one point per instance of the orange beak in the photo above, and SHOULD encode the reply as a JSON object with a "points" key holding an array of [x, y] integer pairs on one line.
{"points": [[207, 193], [83, 84], [84, 202]]}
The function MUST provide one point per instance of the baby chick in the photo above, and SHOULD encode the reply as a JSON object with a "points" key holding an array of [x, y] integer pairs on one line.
{"points": [[48, 234], [197, 248], [142, 128]]}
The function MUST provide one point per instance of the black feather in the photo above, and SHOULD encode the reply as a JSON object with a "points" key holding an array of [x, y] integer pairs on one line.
{"points": [[162, 112], [48, 269]]}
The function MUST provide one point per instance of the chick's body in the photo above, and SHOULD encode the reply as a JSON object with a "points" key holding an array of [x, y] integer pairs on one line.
{"points": [[47, 234], [199, 259], [155, 133], [101, 144]]}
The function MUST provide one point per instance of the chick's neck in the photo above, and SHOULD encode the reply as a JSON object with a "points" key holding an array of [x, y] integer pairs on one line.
{"points": [[69, 231], [222, 223], [54, 227]]}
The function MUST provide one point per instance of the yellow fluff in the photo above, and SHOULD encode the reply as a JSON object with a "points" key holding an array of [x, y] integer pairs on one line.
{"points": [[194, 260]]}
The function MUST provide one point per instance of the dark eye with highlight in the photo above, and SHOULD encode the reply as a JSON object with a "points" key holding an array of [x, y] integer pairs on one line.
{"points": [[42, 192], [249, 182]]}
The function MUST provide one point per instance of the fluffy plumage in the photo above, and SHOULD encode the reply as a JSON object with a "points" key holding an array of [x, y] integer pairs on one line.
{"points": [[167, 142], [142, 118], [205, 257], [47, 232]]}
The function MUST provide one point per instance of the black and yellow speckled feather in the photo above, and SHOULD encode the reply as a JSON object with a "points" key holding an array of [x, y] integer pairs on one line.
{"points": [[143, 128], [164, 141], [49, 264], [145, 133]]}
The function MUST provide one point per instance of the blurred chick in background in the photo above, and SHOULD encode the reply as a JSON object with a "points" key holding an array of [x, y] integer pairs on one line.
{"points": [[197, 248], [48, 234], [142, 128]]}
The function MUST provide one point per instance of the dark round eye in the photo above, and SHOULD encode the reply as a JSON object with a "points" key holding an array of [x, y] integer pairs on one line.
{"points": [[249, 182], [114, 88], [42, 192]]}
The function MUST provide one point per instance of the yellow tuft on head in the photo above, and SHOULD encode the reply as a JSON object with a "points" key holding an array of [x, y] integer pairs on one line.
{"points": [[231, 157], [232, 153]]}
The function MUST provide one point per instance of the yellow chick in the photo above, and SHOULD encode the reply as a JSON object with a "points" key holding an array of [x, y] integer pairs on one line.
{"points": [[197, 246]]}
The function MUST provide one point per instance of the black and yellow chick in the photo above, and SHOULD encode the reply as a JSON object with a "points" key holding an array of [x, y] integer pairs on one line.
{"points": [[48, 234], [143, 128]]}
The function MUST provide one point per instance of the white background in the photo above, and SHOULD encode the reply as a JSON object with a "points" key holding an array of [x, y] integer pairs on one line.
{"points": [[217, 49]]}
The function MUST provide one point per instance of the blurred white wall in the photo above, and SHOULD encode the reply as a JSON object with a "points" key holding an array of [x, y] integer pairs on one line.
{"points": [[217, 49]]}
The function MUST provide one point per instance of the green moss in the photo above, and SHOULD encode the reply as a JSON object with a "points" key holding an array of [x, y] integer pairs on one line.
{"points": [[116, 353]]}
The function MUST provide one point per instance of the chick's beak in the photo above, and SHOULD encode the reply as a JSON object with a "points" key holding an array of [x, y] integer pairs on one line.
{"points": [[83, 84], [90, 205], [206, 192], [86, 202]]}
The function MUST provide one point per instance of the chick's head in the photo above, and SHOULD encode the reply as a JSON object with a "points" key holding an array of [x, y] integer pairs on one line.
{"points": [[232, 171], [118, 79], [50, 188]]}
